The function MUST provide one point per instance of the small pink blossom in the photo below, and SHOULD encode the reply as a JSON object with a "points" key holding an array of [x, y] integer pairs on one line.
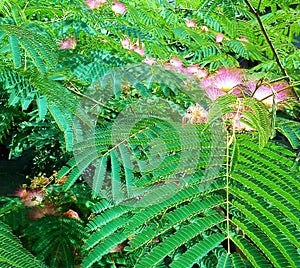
{"points": [[219, 38], [190, 23], [193, 68], [222, 81], [213, 93], [176, 62], [236, 121], [139, 51], [22, 193], [39, 212], [196, 71], [119, 8], [243, 39], [34, 198], [201, 73], [195, 114], [204, 28], [149, 61], [94, 4], [126, 43], [69, 43], [176, 65], [71, 214]]}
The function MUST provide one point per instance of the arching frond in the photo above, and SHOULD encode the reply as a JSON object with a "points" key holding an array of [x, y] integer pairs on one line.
{"points": [[12, 253]]}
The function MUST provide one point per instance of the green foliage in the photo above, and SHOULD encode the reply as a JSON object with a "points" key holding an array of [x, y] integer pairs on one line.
{"points": [[13, 254], [55, 239], [263, 208], [39, 48], [290, 129], [162, 194]]}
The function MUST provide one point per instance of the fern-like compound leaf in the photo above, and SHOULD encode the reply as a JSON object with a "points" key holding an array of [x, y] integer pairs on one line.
{"points": [[12, 253], [198, 251]]}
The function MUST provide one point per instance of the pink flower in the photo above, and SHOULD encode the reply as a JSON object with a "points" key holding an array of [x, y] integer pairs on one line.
{"points": [[149, 61], [204, 28], [34, 198], [219, 38], [176, 62], [227, 78], [22, 193], [243, 39], [71, 214], [175, 65], [213, 93], [139, 50], [190, 23], [39, 212], [126, 43], [196, 71], [94, 4], [236, 121], [266, 93], [192, 68], [119, 8], [69, 43], [195, 114], [201, 73], [221, 82]]}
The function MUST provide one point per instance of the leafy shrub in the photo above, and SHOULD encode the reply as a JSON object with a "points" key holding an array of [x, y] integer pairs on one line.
{"points": [[99, 91]]}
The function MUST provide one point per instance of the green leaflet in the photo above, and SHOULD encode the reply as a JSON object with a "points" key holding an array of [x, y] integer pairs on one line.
{"points": [[290, 129], [224, 261], [251, 252], [15, 51], [103, 248], [39, 48], [42, 106], [181, 237], [198, 251], [221, 106], [60, 236]]}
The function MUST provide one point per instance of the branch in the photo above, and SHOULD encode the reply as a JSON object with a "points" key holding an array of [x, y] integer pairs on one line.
{"points": [[263, 28], [257, 16]]}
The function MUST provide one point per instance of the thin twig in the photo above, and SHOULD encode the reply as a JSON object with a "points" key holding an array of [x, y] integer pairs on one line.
{"points": [[77, 92], [263, 28]]}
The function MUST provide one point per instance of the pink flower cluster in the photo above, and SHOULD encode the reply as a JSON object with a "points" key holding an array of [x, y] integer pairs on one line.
{"points": [[36, 199], [235, 81], [193, 24], [136, 47], [220, 37], [118, 7], [94, 4], [68, 43], [192, 71], [31, 197]]}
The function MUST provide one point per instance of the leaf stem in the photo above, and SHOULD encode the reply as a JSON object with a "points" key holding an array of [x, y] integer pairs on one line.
{"points": [[77, 92], [228, 138]]}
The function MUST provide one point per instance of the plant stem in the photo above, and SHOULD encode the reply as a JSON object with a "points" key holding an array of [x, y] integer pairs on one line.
{"points": [[263, 28], [77, 92], [228, 138]]}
